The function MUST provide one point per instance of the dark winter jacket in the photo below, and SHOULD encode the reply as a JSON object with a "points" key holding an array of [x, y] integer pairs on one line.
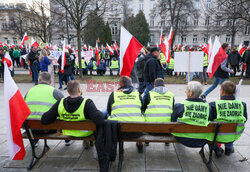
{"points": [[68, 65], [246, 56], [140, 66], [152, 69], [234, 58], [223, 70], [32, 56], [102, 66]]}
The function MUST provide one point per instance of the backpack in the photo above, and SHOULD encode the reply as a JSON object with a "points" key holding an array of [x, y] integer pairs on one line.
{"points": [[90, 64]]}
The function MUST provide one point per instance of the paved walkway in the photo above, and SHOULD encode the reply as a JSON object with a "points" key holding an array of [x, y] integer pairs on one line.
{"points": [[156, 157]]}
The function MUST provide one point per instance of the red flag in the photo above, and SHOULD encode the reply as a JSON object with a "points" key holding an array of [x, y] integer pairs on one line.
{"points": [[8, 60], [217, 57], [63, 60], [16, 111], [130, 48], [84, 47], [25, 38], [241, 49], [116, 48], [170, 37], [162, 44], [34, 43], [97, 53], [110, 49]]}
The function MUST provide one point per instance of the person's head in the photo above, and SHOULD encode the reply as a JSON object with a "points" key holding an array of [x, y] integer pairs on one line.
{"points": [[34, 49], [148, 49], [2, 51], [125, 81], [44, 77], [159, 82], [193, 89], [48, 52], [74, 88], [234, 49], [228, 88], [225, 47], [155, 51], [42, 54], [70, 51]]}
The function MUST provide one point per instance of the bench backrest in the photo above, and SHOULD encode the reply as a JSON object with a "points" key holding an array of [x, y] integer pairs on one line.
{"points": [[150, 127]]}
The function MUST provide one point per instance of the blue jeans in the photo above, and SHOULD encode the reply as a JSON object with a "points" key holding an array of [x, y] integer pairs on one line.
{"points": [[191, 76], [34, 73], [217, 81], [149, 86], [229, 145], [72, 77]]}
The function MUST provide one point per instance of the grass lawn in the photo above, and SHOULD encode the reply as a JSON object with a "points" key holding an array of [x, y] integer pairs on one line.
{"points": [[168, 79]]}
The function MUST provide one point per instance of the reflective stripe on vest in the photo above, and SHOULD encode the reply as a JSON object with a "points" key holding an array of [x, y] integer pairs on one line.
{"points": [[229, 111], [195, 113], [78, 115], [40, 99], [114, 64], [160, 106], [126, 107]]}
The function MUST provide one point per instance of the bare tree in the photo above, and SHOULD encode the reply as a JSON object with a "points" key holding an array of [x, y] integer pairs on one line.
{"points": [[78, 10], [232, 14]]}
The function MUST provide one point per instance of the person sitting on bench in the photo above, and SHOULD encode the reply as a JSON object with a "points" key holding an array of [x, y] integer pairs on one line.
{"points": [[41, 98], [228, 110], [192, 111], [74, 108]]}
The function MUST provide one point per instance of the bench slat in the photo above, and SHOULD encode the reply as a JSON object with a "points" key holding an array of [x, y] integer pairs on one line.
{"points": [[174, 128], [151, 138]]}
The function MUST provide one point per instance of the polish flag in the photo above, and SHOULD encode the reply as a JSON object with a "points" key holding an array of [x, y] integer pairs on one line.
{"points": [[25, 38], [84, 47], [63, 60], [209, 49], [130, 48], [110, 49], [162, 44], [179, 47], [156, 45], [16, 111], [116, 48], [8, 60], [34, 43], [217, 57], [168, 44], [241, 49], [97, 53]]}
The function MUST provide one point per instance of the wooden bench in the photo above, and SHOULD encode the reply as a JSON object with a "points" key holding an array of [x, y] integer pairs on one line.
{"points": [[127, 127]]}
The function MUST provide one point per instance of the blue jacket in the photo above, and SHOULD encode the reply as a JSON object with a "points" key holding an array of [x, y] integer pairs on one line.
{"points": [[102, 66], [44, 64]]}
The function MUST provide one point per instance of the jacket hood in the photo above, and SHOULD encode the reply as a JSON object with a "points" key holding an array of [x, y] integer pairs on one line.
{"points": [[127, 89], [72, 104], [160, 89]]}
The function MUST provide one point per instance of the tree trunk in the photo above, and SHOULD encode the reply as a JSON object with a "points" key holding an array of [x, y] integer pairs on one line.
{"points": [[79, 45]]}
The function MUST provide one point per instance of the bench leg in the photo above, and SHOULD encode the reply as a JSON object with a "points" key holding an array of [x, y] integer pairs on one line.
{"points": [[121, 152], [207, 162], [35, 158]]}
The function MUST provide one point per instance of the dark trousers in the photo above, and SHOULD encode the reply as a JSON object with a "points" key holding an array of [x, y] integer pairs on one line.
{"points": [[142, 85], [17, 62], [248, 70], [235, 69], [34, 73], [193, 143], [111, 72]]}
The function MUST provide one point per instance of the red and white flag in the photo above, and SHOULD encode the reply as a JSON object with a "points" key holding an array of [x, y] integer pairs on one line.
{"points": [[63, 60], [34, 43], [84, 47], [97, 53], [116, 48], [129, 50], [110, 49], [25, 38], [163, 45], [217, 57], [16, 111], [168, 45], [209, 49], [241, 49], [8, 60]]}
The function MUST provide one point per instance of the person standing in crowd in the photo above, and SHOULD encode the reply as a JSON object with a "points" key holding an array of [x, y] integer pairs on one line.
{"points": [[1, 62], [185, 112], [221, 73], [140, 70], [44, 60], [159, 103], [16, 55], [51, 69], [91, 66], [236, 113], [24, 52], [246, 56], [234, 59], [41, 98], [203, 74], [34, 63], [101, 69], [74, 108], [170, 68], [152, 69], [84, 67], [72, 58], [67, 70]]}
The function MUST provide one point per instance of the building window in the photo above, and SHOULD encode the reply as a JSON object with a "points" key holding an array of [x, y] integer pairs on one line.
{"points": [[218, 22], [219, 5], [229, 22], [162, 21], [228, 38], [196, 21], [183, 38], [152, 22], [141, 6], [195, 39], [114, 29], [152, 38], [205, 39], [247, 30], [4, 25], [14, 41], [207, 21], [208, 3], [197, 4]]}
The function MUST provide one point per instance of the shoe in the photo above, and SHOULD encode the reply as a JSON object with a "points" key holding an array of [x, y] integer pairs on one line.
{"points": [[166, 144], [139, 147], [68, 142], [65, 88], [146, 143], [203, 97], [86, 144], [60, 88], [218, 152], [229, 151]]}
